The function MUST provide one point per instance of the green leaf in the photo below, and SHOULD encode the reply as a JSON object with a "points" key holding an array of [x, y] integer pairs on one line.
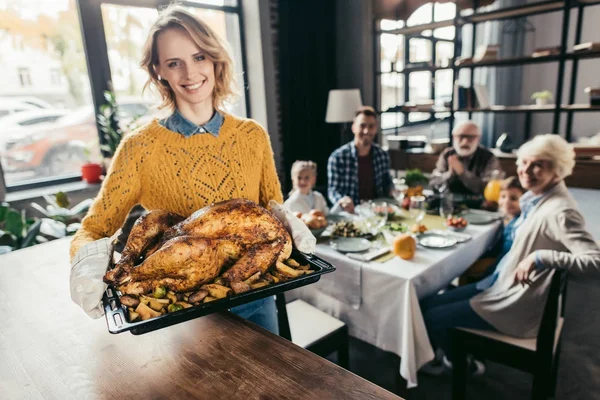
{"points": [[7, 239], [14, 223], [3, 211], [33, 231]]}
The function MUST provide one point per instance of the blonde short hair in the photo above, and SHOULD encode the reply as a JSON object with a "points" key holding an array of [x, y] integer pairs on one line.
{"points": [[302, 165], [175, 17], [553, 148]]}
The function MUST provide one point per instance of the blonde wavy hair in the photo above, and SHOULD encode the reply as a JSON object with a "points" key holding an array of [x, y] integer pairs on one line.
{"points": [[553, 148], [212, 45]]}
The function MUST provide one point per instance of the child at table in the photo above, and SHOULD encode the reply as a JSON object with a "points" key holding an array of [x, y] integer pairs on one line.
{"points": [[303, 199], [510, 193], [508, 204]]}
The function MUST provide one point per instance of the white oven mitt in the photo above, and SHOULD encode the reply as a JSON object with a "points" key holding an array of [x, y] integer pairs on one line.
{"points": [[301, 236], [87, 273]]}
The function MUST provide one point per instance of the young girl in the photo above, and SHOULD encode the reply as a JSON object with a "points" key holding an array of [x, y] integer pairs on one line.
{"points": [[302, 198], [199, 155]]}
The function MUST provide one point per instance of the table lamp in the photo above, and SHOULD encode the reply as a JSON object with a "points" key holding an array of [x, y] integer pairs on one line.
{"points": [[341, 108]]}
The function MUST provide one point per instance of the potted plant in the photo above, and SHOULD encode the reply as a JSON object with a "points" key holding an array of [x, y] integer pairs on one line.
{"points": [[542, 98], [16, 230], [91, 172], [110, 130]]}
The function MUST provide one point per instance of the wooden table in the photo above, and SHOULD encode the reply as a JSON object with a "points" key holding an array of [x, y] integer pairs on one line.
{"points": [[50, 349]]}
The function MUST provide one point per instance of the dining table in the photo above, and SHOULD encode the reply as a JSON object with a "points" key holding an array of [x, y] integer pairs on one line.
{"points": [[50, 349], [379, 299]]}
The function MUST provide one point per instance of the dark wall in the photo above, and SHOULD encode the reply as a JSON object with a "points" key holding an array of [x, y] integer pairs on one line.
{"points": [[307, 71]]}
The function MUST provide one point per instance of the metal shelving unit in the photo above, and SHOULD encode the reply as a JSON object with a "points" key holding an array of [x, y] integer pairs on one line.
{"points": [[501, 14]]}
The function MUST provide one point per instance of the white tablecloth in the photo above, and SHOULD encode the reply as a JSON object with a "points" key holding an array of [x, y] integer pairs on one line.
{"points": [[389, 315]]}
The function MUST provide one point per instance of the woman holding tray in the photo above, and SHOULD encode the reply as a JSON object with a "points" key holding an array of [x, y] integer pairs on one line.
{"points": [[199, 155]]}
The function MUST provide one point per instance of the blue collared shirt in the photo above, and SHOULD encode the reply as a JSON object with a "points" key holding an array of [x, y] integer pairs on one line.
{"points": [[342, 173], [180, 124], [527, 202]]}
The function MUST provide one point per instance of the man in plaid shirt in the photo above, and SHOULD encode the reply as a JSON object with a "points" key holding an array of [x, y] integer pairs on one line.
{"points": [[359, 170]]}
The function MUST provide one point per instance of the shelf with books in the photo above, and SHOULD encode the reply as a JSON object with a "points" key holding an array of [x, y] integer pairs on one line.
{"points": [[516, 61], [580, 107], [510, 109], [416, 109], [410, 69], [474, 98], [516, 12], [409, 30], [531, 108]]}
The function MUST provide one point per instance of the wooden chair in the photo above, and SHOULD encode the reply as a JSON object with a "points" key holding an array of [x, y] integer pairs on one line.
{"points": [[538, 356], [312, 329]]}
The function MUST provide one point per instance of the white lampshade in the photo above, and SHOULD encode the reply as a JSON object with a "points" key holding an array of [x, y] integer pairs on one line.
{"points": [[342, 105]]}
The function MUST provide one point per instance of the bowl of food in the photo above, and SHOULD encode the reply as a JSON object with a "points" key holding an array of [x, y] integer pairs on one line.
{"points": [[456, 224], [315, 220], [350, 229]]}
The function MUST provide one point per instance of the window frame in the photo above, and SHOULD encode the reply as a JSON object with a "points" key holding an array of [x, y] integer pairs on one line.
{"points": [[98, 66], [406, 71]]}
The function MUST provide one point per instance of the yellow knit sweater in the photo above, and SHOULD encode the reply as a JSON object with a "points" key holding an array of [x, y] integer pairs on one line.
{"points": [[163, 170]]}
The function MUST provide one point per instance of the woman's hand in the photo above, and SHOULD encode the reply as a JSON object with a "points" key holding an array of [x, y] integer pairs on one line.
{"points": [[524, 270]]}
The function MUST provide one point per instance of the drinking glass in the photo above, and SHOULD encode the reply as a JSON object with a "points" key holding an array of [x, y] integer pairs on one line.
{"points": [[375, 215], [417, 208], [446, 205], [379, 217]]}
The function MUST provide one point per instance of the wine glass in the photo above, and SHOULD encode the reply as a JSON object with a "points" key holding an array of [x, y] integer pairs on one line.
{"points": [[446, 205], [417, 208], [374, 214], [379, 216]]}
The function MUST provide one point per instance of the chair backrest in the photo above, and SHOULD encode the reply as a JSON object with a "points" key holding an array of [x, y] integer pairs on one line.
{"points": [[547, 332]]}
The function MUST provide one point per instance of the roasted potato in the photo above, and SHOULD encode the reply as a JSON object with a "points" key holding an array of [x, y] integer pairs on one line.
{"points": [[172, 297], [217, 291], [155, 304], [208, 299], [287, 271], [292, 263], [184, 304], [146, 312], [259, 284], [133, 316]]}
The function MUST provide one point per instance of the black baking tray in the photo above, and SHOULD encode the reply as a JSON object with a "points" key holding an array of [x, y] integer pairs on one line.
{"points": [[116, 313]]}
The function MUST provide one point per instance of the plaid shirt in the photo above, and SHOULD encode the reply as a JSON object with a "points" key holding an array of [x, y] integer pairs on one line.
{"points": [[342, 173]]}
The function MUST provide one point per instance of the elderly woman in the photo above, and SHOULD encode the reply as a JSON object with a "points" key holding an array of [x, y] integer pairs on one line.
{"points": [[549, 234]]}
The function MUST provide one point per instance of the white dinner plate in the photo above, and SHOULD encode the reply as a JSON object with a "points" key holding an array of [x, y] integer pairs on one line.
{"points": [[436, 241], [478, 219], [350, 245]]}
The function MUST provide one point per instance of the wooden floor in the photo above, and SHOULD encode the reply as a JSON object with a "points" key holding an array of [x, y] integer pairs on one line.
{"points": [[377, 366]]}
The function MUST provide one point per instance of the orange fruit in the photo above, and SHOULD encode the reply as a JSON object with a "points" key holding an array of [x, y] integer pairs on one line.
{"points": [[405, 247]]}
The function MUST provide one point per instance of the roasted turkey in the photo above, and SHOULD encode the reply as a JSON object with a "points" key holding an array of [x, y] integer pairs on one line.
{"points": [[233, 239]]}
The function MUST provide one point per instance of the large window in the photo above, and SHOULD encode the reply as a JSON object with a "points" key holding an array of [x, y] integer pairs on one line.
{"points": [[43, 74], [47, 117], [415, 68]]}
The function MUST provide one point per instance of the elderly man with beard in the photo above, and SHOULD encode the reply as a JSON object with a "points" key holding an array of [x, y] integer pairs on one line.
{"points": [[359, 170], [466, 167]]}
